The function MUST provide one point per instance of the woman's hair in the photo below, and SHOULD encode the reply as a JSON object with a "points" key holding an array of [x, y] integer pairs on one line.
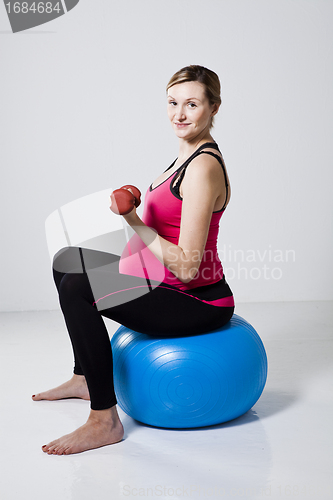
{"points": [[205, 76]]}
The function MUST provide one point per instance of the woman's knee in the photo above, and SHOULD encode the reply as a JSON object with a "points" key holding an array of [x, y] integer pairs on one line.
{"points": [[73, 286]]}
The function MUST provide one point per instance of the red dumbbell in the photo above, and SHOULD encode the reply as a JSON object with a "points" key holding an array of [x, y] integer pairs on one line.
{"points": [[136, 193], [123, 201]]}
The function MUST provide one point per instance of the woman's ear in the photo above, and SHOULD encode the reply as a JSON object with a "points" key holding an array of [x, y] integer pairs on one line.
{"points": [[215, 108]]}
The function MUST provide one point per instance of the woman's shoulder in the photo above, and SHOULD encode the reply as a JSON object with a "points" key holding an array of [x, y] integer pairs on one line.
{"points": [[208, 164], [206, 176], [204, 171]]}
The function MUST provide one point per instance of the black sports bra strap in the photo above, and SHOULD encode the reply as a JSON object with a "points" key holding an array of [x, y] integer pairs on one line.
{"points": [[182, 168], [172, 164], [179, 179], [211, 145]]}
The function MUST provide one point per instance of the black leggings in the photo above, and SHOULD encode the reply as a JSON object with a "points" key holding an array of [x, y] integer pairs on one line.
{"points": [[90, 286]]}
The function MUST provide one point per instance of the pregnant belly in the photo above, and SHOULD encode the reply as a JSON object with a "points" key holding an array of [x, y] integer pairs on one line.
{"points": [[138, 260]]}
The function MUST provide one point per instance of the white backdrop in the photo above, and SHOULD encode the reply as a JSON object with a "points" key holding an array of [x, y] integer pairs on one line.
{"points": [[83, 109]]}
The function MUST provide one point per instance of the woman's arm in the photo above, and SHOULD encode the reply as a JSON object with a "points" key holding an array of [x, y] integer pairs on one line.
{"points": [[201, 187]]}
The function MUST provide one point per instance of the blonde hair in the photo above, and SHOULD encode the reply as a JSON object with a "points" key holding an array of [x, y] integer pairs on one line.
{"points": [[205, 76]]}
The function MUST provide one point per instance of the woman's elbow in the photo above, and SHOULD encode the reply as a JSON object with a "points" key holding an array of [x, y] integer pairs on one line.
{"points": [[188, 275], [184, 280]]}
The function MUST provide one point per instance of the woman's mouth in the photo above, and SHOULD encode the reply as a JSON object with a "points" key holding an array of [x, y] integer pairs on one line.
{"points": [[181, 125]]}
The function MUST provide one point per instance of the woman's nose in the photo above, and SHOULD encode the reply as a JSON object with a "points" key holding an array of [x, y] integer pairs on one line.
{"points": [[180, 115]]}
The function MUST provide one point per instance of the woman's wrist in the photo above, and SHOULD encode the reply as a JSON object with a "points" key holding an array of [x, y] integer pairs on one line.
{"points": [[132, 218]]}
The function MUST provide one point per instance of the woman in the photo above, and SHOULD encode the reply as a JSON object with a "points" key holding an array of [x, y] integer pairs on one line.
{"points": [[176, 235]]}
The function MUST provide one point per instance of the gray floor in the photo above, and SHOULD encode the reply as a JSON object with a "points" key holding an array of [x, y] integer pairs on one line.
{"points": [[281, 448]]}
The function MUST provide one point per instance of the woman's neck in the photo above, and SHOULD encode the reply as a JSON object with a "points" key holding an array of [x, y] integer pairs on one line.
{"points": [[187, 148]]}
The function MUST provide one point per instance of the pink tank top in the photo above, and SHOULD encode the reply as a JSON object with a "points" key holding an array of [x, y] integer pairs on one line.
{"points": [[162, 212]]}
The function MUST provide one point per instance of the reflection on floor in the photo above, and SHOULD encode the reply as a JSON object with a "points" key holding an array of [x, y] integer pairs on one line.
{"points": [[280, 449]]}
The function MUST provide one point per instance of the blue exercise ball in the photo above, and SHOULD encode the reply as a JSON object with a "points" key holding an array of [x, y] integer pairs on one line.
{"points": [[191, 381]]}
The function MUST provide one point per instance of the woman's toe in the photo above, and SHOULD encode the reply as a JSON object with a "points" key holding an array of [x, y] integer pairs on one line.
{"points": [[59, 450], [50, 447]]}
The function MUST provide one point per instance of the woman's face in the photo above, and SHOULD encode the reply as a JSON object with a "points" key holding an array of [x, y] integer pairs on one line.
{"points": [[189, 110]]}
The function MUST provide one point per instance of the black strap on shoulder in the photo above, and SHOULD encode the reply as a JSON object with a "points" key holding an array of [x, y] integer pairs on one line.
{"points": [[183, 167], [196, 153], [172, 164]]}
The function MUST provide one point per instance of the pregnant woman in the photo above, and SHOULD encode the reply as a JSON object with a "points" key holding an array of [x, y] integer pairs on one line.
{"points": [[169, 279]]}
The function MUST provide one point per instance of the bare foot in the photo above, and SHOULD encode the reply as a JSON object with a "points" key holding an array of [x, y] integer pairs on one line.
{"points": [[102, 428], [76, 387]]}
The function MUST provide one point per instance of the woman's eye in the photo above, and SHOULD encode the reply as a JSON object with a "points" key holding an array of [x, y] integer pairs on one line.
{"points": [[192, 105], [172, 103]]}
